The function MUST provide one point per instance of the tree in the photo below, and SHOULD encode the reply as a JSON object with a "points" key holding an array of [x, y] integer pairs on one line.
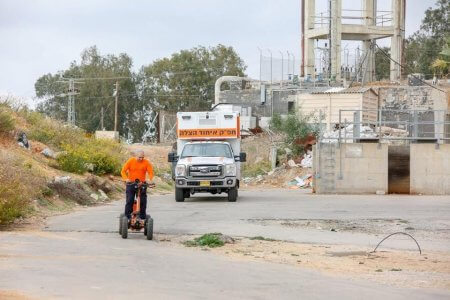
{"points": [[94, 88], [424, 46], [382, 64], [185, 81]]}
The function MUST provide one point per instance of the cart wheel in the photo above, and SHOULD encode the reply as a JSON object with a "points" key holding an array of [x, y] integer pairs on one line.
{"points": [[120, 222], [124, 232], [146, 221], [149, 227]]}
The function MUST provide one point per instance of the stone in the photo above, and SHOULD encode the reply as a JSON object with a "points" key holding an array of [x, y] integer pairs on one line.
{"points": [[94, 196], [47, 152], [103, 195], [62, 179], [226, 239]]}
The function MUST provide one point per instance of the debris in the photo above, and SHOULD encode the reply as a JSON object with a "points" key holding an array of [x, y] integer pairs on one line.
{"points": [[47, 152], [292, 163], [303, 182], [365, 132], [404, 233], [288, 151], [378, 270], [380, 192], [396, 270], [307, 160], [22, 140], [332, 229]]}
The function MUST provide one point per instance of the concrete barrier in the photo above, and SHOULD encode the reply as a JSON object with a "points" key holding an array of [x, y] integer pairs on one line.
{"points": [[109, 135], [430, 169]]}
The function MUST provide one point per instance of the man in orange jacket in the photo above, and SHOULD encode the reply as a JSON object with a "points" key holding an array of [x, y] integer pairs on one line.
{"points": [[136, 168]]}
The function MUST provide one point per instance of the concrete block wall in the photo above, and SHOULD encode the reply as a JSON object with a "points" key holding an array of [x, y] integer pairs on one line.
{"points": [[364, 168], [430, 169], [360, 168]]}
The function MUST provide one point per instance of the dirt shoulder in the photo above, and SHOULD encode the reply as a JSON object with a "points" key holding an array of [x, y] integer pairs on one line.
{"points": [[394, 267]]}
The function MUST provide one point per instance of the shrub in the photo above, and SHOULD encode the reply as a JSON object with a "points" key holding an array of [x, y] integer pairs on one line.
{"points": [[6, 121], [295, 127], [105, 156], [211, 240]]}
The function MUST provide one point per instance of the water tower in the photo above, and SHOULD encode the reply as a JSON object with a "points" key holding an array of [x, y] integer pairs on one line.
{"points": [[367, 26]]}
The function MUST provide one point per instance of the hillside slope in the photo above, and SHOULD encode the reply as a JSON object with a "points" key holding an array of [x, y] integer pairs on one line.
{"points": [[63, 167]]}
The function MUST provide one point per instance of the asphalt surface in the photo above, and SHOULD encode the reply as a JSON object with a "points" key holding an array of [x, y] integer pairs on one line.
{"points": [[81, 256]]}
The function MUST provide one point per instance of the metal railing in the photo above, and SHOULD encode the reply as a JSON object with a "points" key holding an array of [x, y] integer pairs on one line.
{"points": [[386, 125]]}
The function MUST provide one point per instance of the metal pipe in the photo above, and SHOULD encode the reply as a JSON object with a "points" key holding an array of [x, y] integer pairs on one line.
{"points": [[303, 40]]}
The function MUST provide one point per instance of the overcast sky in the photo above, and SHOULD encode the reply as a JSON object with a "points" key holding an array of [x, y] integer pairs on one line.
{"points": [[44, 36]]}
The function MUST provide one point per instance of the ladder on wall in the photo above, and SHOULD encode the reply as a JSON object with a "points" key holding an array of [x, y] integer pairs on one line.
{"points": [[328, 168]]}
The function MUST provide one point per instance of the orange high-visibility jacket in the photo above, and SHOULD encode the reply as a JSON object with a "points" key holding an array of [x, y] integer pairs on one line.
{"points": [[135, 169]]}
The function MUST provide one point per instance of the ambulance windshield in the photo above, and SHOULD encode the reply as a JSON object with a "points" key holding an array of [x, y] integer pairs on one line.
{"points": [[207, 150]]}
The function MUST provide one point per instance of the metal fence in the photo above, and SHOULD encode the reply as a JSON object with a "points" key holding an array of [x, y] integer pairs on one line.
{"points": [[389, 125]]}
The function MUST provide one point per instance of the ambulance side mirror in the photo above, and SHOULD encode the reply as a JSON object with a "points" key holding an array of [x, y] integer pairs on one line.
{"points": [[172, 157], [242, 157]]}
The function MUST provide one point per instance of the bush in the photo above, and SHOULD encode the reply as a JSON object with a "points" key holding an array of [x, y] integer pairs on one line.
{"points": [[6, 121], [295, 127], [105, 156], [211, 240]]}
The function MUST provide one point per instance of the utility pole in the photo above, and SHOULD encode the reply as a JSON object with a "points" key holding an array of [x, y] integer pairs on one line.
{"points": [[71, 103], [101, 120], [116, 105]]}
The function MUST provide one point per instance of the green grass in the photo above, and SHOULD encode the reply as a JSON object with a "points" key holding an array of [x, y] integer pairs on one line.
{"points": [[211, 240], [253, 170], [261, 238], [79, 148]]}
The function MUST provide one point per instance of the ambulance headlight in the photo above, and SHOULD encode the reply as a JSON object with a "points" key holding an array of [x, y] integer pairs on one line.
{"points": [[180, 170], [230, 170]]}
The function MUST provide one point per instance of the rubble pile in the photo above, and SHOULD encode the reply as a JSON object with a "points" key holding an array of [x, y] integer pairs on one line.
{"points": [[289, 174], [365, 132]]}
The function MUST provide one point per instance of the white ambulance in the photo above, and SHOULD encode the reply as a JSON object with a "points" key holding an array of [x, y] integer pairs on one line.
{"points": [[208, 157]]}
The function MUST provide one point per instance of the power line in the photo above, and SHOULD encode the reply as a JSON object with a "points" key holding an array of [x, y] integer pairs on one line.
{"points": [[406, 67]]}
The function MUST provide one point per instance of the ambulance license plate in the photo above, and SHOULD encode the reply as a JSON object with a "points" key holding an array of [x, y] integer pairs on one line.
{"points": [[204, 183]]}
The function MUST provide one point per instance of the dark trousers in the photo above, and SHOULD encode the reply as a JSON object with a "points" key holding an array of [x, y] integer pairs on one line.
{"points": [[131, 192]]}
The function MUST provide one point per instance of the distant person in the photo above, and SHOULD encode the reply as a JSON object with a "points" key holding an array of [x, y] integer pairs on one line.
{"points": [[136, 168]]}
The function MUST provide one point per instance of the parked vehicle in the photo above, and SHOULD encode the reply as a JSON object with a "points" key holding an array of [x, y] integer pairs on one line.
{"points": [[208, 157]]}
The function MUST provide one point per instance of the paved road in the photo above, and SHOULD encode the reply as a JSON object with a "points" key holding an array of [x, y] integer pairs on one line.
{"points": [[204, 213], [82, 257]]}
